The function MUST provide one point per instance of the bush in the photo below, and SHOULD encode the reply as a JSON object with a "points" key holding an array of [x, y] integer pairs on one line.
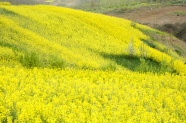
{"points": [[131, 50], [30, 60], [133, 24], [143, 51]]}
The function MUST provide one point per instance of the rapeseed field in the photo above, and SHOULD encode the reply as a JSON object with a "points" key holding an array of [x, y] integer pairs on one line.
{"points": [[50, 95], [60, 65]]}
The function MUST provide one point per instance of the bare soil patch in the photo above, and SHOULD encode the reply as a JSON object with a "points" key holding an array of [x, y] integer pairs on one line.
{"points": [[153, 15]]}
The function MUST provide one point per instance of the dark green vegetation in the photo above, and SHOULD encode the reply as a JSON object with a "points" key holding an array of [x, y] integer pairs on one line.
{"points": [[178, 30]]}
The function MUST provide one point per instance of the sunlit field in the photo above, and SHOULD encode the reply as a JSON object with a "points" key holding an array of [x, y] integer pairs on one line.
{"points": [[59, 65]]}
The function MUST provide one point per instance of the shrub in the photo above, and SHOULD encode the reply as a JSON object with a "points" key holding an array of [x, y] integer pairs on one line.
{"points": [[30, 60], [144, 66], [143, 51], [131, 50], [133, 24]]}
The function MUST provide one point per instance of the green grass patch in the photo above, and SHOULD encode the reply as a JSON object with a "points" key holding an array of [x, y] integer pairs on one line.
{"points": [[180, 13]]}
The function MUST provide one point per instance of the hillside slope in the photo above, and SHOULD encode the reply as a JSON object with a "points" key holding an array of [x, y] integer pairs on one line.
{"points": [[47, 36], [59, 65]]}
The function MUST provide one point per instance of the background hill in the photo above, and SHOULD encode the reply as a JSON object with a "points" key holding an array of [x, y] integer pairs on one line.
{"points": [[65, 38], [90, 3]]}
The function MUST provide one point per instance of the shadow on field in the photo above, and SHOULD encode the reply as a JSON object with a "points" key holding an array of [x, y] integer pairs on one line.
{"points": [[137, 64], [8, 12]]}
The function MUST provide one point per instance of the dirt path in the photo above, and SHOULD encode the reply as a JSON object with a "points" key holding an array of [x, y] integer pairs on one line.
{"points": [[154, 15]]}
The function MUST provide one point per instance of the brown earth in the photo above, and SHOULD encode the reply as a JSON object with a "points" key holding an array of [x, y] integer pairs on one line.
{"points": [[153, 15]]}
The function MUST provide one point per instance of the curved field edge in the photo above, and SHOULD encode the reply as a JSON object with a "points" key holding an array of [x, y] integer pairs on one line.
{"points": [[57, 37], [51, 95]]}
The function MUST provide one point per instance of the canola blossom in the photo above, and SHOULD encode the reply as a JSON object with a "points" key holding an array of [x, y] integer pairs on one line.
{"points": [[50, 95], [59, 65], [73, 38]]}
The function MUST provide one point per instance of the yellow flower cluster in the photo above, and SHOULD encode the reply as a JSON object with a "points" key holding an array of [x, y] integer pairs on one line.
{"points": [[79, 96], [82, 40], [79, 38]]}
